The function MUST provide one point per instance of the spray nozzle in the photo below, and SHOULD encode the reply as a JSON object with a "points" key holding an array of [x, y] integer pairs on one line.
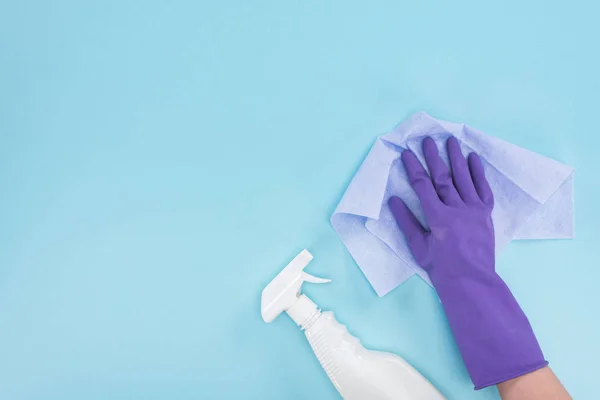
{"points": [[283, 291]]}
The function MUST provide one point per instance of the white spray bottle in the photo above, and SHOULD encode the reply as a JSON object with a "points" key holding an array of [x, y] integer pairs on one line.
{"points": [[356, 372]]}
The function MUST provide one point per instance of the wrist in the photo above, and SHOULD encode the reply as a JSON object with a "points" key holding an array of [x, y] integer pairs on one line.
{"points": [[450, 273]]}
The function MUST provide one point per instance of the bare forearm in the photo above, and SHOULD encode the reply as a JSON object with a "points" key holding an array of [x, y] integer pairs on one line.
{"points": [[538, 385]]}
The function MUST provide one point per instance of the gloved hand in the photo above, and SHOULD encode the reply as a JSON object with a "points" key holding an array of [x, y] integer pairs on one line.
{"points": [[492, 332]]}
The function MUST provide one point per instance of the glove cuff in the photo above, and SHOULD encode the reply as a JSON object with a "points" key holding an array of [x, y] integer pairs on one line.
{"points": [[495, 338]]}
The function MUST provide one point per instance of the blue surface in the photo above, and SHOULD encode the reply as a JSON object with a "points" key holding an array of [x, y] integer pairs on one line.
{"points": [[161, 161]]}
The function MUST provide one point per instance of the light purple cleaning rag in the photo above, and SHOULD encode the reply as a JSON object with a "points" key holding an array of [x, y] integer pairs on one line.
{"points": [[533, 197]]}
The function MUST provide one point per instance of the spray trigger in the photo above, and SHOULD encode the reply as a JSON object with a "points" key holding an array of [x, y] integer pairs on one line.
{"points": [[314, 279], [284, 289]]}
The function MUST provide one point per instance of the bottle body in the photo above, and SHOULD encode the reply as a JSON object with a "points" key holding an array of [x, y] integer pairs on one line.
{"points": [[359, 373]]}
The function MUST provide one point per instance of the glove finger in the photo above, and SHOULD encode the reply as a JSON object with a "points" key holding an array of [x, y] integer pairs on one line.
{"points": [[460, 172], [416, 235], [440, 174], [421, 183], [479, 181]]}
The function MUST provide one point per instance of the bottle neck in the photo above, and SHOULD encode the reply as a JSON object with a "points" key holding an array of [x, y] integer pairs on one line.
{"points": [[304, 312]]}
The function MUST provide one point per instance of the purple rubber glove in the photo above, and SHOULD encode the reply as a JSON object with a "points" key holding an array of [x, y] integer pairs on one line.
{"points": [[492, 332]]}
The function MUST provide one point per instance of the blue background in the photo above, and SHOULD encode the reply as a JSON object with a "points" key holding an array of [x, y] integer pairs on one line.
{"points": [[161, 161]]}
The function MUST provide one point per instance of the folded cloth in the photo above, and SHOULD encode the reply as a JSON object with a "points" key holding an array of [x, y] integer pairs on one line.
{"points": [[533, 197]]}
